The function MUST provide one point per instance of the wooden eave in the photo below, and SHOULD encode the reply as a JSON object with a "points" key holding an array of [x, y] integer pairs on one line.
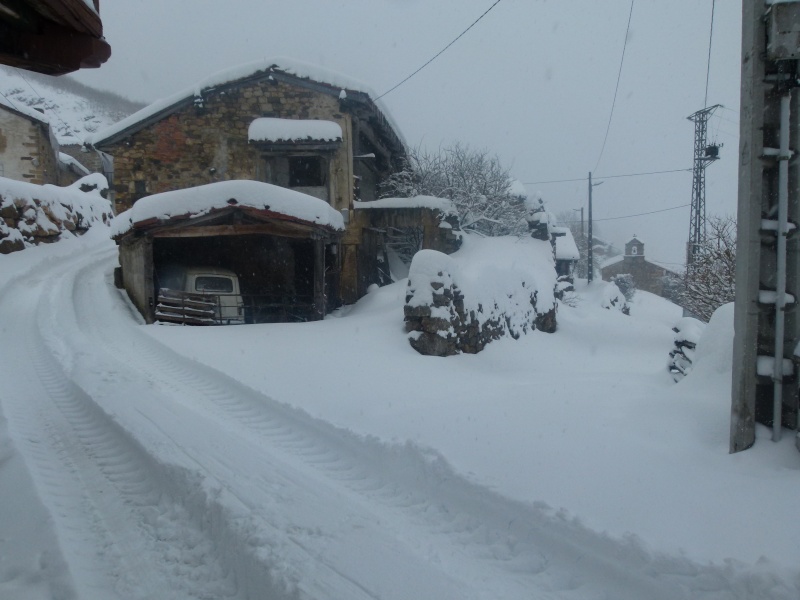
{"points": [[53, 37], [311, 146], [233, 220]]}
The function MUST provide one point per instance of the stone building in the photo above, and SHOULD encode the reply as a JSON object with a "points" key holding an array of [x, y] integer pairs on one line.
{"points": [[647, 276], [28, 147], [280, 122]]}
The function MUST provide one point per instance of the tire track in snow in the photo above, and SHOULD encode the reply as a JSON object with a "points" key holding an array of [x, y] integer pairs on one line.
{"points": [[101, 488], [541, 550]]}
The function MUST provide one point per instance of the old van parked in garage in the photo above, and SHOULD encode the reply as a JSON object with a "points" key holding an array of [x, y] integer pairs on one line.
{"points": [[199, 296]]}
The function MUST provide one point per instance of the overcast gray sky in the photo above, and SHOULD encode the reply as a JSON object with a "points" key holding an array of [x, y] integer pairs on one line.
{"points": [[533, 82]]}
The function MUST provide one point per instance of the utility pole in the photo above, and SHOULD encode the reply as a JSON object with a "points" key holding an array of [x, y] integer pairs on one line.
{"points": [[704, 155], [590, 250], [766, 316]]}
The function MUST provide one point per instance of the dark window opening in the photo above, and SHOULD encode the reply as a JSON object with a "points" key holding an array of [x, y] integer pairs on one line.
{"points": [[306, 171]]}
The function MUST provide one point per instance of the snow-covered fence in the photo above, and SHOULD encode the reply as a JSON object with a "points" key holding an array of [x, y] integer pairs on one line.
{"points": [[681, 357], [31, 214], [441, 320]]}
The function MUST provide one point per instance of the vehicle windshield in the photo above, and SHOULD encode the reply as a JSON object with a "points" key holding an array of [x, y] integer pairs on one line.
{"points": [[218, 285]]}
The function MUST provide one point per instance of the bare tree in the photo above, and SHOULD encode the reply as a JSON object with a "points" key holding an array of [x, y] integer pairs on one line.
{"points": [[474, 180], [710, 280]]}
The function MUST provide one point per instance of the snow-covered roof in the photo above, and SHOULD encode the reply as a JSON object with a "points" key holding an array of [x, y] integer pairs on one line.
{"points": [[566, 248], [68, 160], [284, 65], [197, 201], [268, 129], [612, 261], [443, 205], [24, 110]]}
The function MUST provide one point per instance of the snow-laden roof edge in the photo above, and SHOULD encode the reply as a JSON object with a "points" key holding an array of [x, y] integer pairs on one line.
{"points": [[566, 248], [443, 205], [203, 199], [68, 160], [270, 129], [282, 64], [25, 111]]}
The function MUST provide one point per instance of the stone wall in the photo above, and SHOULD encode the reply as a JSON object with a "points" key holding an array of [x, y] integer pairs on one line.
{"points": [[32, 214], [27, 152], [207, 141]]}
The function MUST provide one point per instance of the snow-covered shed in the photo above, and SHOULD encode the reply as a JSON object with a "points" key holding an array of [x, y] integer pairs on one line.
{"points": [[566, 251], [282, 244]]}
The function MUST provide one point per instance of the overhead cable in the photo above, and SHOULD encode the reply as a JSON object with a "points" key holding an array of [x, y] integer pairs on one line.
{"points": [[616, 89], [605, 177], [440, 51]]}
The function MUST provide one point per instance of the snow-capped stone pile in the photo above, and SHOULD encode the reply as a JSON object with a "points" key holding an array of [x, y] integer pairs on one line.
{"points": [[31, 214], [443, 320], [681, 358]]}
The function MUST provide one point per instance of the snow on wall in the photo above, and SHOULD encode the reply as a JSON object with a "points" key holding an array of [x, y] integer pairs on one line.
{"points": [[31, 213], [459, 303], [269, 129], [200, 200], [443, 205]]}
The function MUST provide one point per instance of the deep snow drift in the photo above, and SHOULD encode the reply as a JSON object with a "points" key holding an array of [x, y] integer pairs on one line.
{"points": [[330, 460]]}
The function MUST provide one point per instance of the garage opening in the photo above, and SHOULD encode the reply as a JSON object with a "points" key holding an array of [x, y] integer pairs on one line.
{"points": [[275, 274]]}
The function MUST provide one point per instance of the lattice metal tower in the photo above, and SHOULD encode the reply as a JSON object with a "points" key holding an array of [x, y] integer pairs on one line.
{"points": [[704, 155]]}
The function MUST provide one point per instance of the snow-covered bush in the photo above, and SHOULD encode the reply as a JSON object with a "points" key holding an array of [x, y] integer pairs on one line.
{"points": [[31, 214], [626, 285], [681, 358], [488, 200], [449, 311], [614, 299]]}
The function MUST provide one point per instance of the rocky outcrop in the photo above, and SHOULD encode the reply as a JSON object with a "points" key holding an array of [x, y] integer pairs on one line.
{"points": [[32, 214]]}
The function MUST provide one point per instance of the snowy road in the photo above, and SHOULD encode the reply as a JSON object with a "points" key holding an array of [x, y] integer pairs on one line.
{"points": [[162, 478]]}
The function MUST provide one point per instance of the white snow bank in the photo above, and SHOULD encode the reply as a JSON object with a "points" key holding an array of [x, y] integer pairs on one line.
{"points": [[268, 129], [443, 205], [517, 188], [201, 200]]}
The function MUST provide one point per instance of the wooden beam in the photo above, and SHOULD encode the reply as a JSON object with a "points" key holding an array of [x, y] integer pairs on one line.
{"points": [[285, 230]]}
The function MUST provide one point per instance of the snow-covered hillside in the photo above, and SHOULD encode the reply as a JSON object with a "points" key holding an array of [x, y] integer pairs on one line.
{"points": [[330, 460], [73, 109]]}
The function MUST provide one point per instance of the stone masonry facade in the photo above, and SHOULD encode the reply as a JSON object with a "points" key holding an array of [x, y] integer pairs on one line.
{"points": [[207, 141]]}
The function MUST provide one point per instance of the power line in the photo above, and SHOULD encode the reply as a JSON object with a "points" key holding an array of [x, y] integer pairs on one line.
{"points": [[53, 110], [440, 52], [652, 212], [606, 177], [616, 89], [710, 36]]}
